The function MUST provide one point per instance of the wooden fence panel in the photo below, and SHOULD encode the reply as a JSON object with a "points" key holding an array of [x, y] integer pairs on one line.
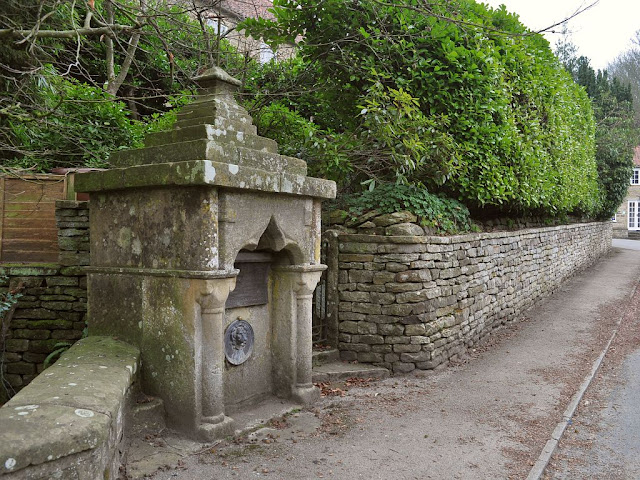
{"points": [[28, 232]]}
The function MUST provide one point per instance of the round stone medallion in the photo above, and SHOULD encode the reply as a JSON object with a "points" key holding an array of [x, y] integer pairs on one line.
{"points": [[238, 342]]}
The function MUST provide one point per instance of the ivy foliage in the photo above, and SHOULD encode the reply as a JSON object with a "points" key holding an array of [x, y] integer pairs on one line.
{"points": [[456, 97], [442, 214]]}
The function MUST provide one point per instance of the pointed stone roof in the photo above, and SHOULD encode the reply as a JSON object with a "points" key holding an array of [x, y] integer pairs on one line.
{"points": [[212, 142]]}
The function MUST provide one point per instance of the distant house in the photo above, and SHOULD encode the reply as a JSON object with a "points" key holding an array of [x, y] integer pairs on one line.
{"points": [[225, 15], [627, 218]]}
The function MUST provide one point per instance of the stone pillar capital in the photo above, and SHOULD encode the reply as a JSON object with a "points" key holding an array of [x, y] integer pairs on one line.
{"points": [[215, 291], [305, 277]]}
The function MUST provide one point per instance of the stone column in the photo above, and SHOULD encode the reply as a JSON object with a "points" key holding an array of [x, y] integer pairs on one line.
{"points": [[304, 279], [213, 421]]}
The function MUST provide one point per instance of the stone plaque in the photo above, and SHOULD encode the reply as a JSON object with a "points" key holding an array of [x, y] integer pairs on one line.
{"points": [[238, 342]]}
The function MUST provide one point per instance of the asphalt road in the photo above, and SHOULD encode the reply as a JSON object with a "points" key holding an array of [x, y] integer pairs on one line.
{"points": [[603, 440]]}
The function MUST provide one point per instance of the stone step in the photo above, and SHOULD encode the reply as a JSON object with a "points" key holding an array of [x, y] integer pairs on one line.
{"points": [[342, 370], [320, 357]]}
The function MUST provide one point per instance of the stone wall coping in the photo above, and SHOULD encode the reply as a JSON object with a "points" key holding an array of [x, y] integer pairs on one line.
{"points": [[30, 270], [204, 173], [161, 272], [72, 407], [469, 237], [301, 268], [79, 204]]}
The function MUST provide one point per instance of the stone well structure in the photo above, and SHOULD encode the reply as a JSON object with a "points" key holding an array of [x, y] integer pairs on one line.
{"points": [[205, 251]]}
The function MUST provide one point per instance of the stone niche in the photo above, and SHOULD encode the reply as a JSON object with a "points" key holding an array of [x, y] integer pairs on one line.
{"points": [[205, 251]]}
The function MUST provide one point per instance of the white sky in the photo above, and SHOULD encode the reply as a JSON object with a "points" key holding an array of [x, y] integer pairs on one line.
{"points": [[601, 33]]}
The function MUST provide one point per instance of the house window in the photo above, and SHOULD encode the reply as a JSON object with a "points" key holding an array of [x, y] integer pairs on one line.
{"points": [[266, 53], [635, 178], [634, 215], [213, 23]]}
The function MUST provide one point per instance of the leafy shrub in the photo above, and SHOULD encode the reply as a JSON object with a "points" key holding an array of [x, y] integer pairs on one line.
{"points": [[445, 215], [81, 125], [457, 96]]}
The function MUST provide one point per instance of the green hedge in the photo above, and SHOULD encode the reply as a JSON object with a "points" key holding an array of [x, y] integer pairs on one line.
{"points": [[462, 99]]}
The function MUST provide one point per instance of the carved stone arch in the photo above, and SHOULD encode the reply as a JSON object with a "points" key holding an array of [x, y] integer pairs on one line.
{"points": [[274, 239]]}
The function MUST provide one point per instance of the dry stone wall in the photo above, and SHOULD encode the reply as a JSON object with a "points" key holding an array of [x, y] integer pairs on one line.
{"points": [[415, 302], [53, 306]]}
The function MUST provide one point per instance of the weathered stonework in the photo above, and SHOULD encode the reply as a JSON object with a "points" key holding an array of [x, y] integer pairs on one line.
{"points": [[414, 302], [70, 421], [172, 227], [53, 306]]}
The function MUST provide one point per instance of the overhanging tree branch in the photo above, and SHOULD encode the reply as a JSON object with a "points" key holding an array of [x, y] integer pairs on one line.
{"points": [[70, 34]]}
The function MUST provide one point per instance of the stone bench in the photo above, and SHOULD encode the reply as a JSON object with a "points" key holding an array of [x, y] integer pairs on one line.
{"points": [[69, 422]]}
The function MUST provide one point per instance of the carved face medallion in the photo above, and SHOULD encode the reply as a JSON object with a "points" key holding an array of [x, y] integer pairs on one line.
{"points": [[238, 342]]}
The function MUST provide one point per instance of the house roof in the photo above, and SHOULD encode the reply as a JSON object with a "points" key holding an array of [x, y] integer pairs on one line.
{"points": [[248, 8], [636, 156]]}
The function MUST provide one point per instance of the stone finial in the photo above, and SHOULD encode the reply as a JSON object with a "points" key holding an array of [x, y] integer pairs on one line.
{"points": [[216, 77]]}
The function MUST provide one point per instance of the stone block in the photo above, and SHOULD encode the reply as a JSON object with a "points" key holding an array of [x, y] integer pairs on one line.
{"points": [[351, 247], [75, 292], [417, 329], [380, 278], [368, 339], [403, 287], [21, 368], [370, 357], [355, 257], [397, 310], [390, 329], [382, 319], [420, 340], [14, 380], [413, 276], [420, 356], [396, 340], [410, 320], [360, 276], [382, 348], [16, 345], [34, 357], [391, 357], [31, 334], [382, 298], [35, 313], [348, 356], [402, 248], [57, 324], [406, 348], [57, 305], [348, 327], [344, 338], [394, 218], [367, 328], [354, 347], [400, 367], [366, 287], [396, 267], [367, 308], [404, 229], [43, 346], [354, 296]]}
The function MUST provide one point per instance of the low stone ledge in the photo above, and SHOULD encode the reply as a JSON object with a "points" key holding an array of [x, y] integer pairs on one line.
{"points": [[69, 422]]}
